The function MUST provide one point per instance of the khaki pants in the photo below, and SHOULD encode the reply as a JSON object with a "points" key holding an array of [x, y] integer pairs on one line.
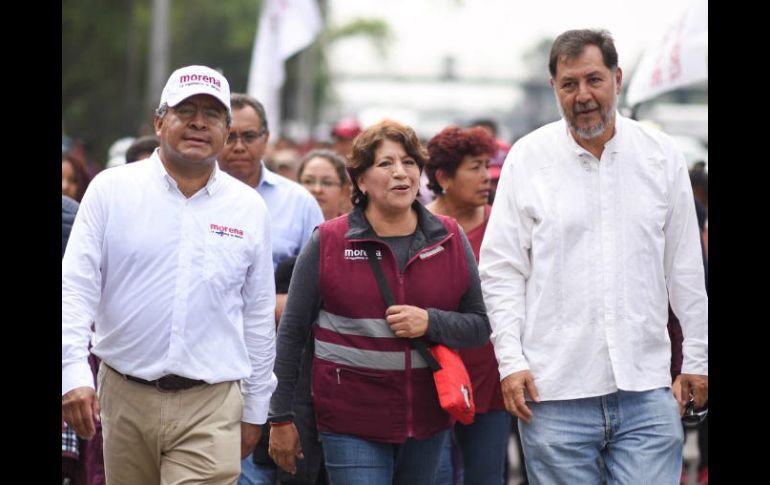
{"points": [[169, 438]]}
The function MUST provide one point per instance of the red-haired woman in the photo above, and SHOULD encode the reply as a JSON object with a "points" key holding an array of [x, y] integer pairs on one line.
{"points": [[457, 174]]}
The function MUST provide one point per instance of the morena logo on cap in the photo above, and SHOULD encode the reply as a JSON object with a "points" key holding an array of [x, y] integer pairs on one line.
{"points": [[188, 78], [191, 80]]}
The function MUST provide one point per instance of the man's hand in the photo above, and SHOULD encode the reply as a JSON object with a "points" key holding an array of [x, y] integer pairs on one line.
{"points": [[676, 389], [284, 447], [513, 394], [696, 386], [250, 434], [280, 304], [80, 407], [407, 321]]}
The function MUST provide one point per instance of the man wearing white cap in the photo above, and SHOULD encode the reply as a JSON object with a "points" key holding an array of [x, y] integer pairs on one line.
{"points": [[171, 257]]}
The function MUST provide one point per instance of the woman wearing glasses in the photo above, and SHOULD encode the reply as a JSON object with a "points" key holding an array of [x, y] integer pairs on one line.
{"points": [[375, 401], [322, 173]]}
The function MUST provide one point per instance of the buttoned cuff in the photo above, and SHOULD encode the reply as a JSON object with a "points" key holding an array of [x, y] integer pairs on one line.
{"points": [[76, 375], [508, 368], [255, 410]]}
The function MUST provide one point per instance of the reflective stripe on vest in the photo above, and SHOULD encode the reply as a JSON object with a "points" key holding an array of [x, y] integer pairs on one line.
{"points": [[364, 327], [371, 359]]}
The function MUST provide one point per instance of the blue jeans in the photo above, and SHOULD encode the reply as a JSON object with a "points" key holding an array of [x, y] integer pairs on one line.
{"points": [[484, 445], [450, 463], [355, 460], [623, 437], [483, 448], [253, 474]]}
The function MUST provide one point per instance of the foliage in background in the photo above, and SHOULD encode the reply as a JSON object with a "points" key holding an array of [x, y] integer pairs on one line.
{"points": [[105, 55], [97, 85]]}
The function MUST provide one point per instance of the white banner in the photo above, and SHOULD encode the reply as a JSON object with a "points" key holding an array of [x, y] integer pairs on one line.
{"points": [[285, 27], [680, 58]]}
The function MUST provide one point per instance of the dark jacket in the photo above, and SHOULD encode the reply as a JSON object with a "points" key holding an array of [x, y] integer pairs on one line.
{"points": [[69, 207]]}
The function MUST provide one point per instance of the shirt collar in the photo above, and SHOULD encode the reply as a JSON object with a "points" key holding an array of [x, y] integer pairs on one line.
{"points": [[612, 145], [211, 186], [159, 171], [266, 176], [215, 180]]}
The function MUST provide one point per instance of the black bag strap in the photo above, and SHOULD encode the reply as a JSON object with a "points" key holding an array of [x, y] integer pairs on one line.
{"points": [[387, 296]]}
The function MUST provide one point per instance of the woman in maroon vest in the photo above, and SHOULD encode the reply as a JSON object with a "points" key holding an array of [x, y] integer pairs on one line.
{"points": [[376, 405], [457, 174]]}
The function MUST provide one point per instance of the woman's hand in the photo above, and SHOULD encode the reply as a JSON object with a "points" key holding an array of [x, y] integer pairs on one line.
{"points": [[676, 389], [407, 321], [284, 447]]}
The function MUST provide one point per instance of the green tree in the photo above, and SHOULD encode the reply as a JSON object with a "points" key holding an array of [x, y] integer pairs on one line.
{"points": [[104, 59], [95, 73], [105, 53]]}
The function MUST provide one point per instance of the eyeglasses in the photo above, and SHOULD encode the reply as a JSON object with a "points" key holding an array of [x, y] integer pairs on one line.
{"points": [[247, 137], [692, 416], [325, 184], [188, 111]]}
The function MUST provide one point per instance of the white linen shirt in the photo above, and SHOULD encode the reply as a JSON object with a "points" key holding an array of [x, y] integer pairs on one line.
{"points": [[581, 257], [175, 285]]}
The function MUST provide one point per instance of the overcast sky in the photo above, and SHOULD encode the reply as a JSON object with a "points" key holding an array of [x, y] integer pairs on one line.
{"points": [[488, 37]]}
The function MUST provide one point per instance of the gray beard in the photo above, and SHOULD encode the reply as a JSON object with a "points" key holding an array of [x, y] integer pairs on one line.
{"points": [[589, 133]]}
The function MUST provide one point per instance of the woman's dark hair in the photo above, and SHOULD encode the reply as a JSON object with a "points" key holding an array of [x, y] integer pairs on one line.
{"points": [[81, 174], [367, 142], [144, 144], [447, 150], [337, 161]]}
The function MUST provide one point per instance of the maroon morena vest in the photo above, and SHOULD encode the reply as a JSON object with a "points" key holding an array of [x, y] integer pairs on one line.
{"points": [[367, 382]]}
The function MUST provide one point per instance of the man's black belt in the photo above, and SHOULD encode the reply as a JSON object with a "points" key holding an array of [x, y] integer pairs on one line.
{"points": [[171, 382]]}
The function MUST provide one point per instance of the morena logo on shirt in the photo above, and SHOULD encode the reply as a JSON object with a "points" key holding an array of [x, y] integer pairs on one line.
{"points": [[226, 231]]}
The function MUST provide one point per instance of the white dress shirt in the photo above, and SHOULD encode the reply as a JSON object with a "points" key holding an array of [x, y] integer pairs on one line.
{"points": [[175, 285], [581, 257]]}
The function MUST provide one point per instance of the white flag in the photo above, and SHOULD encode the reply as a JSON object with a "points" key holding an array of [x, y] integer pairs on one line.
{"points": [[679, 59], [285, 27]]}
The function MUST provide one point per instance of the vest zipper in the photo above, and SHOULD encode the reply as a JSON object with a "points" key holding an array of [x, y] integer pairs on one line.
{"points": [[408, 367], [401, 300], [408, 370]]}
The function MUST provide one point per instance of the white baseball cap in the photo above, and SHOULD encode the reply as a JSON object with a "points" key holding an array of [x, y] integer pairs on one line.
{"points": [[191, 80]]}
